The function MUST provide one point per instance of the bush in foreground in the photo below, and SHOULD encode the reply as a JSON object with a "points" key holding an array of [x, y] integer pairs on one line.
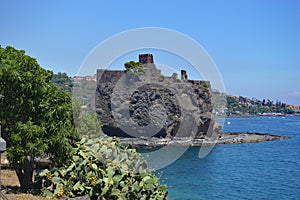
{"points": [[102, 168]]}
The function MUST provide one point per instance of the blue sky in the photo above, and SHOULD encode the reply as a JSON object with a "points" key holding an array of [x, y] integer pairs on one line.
{"points": [[255, 44]]}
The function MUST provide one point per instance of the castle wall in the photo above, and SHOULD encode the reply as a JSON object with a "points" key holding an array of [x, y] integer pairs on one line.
{"points": [[105, 76]]}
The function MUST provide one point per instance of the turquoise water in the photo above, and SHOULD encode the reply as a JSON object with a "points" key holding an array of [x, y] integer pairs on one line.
{"points": [[267, 170]]}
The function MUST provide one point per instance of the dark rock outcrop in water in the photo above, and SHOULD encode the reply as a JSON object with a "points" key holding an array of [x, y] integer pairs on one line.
{"points": [[153, 105], [224, 138]]}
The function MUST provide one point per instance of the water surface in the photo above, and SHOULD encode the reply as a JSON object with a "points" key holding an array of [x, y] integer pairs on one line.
{"points": [[267, 170]]}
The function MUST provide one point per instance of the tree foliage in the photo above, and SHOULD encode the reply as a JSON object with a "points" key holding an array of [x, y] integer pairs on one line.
{"points": [[134, 67], [35, 114]]}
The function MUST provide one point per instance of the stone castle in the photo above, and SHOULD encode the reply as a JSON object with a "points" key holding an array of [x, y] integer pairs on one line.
{"points": [[150, 104]]}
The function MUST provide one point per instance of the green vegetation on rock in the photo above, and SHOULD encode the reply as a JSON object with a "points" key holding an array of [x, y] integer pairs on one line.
{"points": [[134, 67]]}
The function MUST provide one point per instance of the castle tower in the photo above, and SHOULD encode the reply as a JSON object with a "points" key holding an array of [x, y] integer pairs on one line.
{"points": [[146, 59], [148, 64]]}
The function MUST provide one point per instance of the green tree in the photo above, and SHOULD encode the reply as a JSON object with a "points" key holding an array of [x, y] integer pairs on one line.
{"points": [[288, 110], [35, 114], [134, 67]]}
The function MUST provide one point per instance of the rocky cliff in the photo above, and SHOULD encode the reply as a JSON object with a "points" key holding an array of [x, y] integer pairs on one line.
{"points": [[150, 104]]}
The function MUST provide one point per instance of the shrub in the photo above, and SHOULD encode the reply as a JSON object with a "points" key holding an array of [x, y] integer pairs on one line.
{"points": [[102, 168], [205, 85]]}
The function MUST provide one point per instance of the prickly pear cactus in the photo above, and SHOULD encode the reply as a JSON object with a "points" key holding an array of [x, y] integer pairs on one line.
{"points": [[104, 169]]}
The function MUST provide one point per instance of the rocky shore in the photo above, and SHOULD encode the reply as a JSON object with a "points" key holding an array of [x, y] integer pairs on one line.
{"points": [[224, 138]]}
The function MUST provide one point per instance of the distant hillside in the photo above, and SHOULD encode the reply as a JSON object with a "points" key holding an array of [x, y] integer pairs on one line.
{"points": [[245, 106], [63, 81], [81, 87]]}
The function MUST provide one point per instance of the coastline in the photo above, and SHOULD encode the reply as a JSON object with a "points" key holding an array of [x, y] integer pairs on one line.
{"points": [[263, 115], [224, 138]]}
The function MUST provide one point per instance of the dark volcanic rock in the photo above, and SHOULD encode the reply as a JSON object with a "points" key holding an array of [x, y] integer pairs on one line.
{"points": [[152, 105], [224, 138]]}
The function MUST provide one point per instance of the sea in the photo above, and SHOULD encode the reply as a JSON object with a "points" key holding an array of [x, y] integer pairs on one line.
{"points": [[266, 170]]}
